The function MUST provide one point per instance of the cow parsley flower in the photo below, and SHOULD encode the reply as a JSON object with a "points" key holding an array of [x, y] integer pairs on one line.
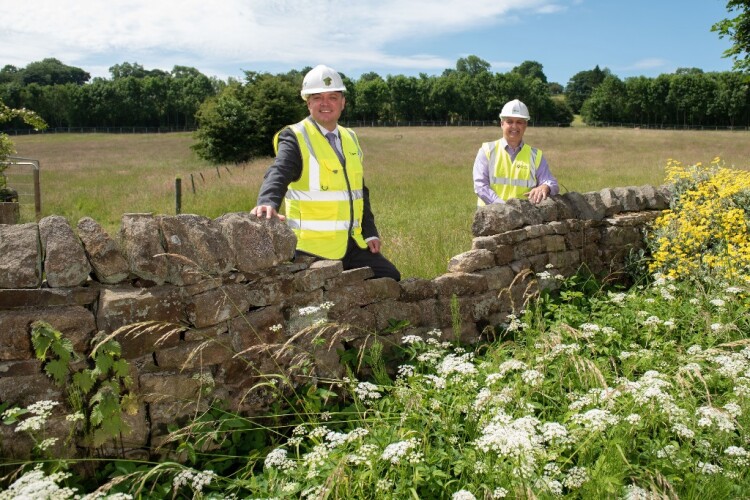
{"points": [[367, 392], [277, 459], [397, 452], [709, 417], [463, 495], [596, 420], [575, 478]]}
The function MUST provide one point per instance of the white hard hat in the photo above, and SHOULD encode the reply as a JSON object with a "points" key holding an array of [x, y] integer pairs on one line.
{"points": [[321, 79], [515, 109]]}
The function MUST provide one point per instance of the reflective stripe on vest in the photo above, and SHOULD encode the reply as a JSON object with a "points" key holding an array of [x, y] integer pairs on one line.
{"points": [[326, 204], [511, 179]]}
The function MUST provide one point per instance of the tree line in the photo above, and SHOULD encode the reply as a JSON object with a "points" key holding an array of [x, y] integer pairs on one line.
{"points": [[65, 96], [235, 120]]}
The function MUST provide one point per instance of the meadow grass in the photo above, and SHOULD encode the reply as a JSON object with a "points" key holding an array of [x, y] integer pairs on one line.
{"points": [[419, 177]]}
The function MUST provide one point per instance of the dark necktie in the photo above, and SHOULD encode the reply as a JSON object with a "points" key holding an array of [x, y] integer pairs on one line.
{"points": [[332, 140]]}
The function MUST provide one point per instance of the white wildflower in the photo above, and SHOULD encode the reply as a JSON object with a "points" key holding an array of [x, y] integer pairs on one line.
{"points": [[47, 443], [596, 420], [633, 419], [510, 365], [652, 321], [551, 469], [738, 455], [384, 485], [683, 431], [588, 330], [733, 409], [412, 339], [709, 417], [463, 495], [43, 407], [276, 328], [575, 477], [406, 371], [35, 484], [694, 350], [499, 493], [429, 357], [437, 382], [402, 450], [633, 492], [708, 469], [717, 302], [554, 432], [730, 365], [456, 365], [532, 377], [617, 298], [277, 459], [367, 392]]}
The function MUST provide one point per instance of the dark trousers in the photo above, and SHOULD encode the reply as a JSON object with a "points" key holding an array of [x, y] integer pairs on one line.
{"points": [[356, 257]]}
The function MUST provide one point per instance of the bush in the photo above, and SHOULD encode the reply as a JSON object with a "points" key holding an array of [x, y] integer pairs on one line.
{"points": [[704, 234]]}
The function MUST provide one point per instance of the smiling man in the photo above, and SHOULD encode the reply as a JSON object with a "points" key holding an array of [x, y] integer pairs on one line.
{"points": [[509, 168], [318, 172]]}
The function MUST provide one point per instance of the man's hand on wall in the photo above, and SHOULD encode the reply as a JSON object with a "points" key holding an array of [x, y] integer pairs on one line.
{"points": [[538, 194], [268, 210]]}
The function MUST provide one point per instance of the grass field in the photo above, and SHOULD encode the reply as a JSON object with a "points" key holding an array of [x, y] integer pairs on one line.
{"points": [[419, 178]]}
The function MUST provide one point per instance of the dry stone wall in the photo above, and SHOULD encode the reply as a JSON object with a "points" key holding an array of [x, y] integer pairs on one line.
{"points": [[194, 302]]}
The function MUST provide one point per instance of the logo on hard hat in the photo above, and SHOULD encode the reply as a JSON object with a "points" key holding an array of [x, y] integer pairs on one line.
{"points": [[327, 80]]}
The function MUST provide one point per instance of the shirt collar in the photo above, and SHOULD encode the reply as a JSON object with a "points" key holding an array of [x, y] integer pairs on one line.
{"points": [[325, 131], [507, 147]]}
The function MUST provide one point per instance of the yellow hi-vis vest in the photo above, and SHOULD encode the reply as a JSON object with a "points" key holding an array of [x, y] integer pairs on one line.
{"points": [[325, 206], [511, 179]]}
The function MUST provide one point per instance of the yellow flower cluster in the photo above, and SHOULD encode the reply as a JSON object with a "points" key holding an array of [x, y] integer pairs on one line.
{"points": [[705, 232]]}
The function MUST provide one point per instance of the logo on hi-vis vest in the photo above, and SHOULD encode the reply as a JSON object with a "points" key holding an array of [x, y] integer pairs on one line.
{"points": [[521, 165]]}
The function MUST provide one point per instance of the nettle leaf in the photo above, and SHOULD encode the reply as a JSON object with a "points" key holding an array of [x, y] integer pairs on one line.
{"points": [[103, 362], [58, 370], [96, 416], [42, 335], [84, 380], [121, 368], [62, 349]]}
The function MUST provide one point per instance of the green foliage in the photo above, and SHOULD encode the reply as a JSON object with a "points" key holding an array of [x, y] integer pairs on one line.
{"points": [[239, 124], [101, 393], [704, 235], [582, 84], [737, 29], [6, 145]]}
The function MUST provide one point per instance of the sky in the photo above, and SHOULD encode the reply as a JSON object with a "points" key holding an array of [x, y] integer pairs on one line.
{"points": [[225, 38]]}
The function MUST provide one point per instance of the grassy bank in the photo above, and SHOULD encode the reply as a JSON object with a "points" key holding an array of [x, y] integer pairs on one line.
{"points": [[419, 178]]}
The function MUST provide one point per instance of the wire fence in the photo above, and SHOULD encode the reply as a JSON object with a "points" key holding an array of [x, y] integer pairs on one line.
{"points": [[98, 130]]}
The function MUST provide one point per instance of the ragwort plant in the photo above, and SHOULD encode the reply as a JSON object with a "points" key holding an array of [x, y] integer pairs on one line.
{"points": [[705, 231]]}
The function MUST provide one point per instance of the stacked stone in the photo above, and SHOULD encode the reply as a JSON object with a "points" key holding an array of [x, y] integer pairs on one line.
{"points": [[194, 302]]}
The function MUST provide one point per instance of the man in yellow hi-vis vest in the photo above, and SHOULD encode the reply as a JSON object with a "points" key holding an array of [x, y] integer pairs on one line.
{"points": [[318, 172], [509, 168]]}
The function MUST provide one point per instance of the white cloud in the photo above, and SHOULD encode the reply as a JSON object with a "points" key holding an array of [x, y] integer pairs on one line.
{"points": [[648, 63], [351, 35]]}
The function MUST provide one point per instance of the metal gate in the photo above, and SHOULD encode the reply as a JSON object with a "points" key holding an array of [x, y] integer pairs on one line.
{"points": [[22, 176]]}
